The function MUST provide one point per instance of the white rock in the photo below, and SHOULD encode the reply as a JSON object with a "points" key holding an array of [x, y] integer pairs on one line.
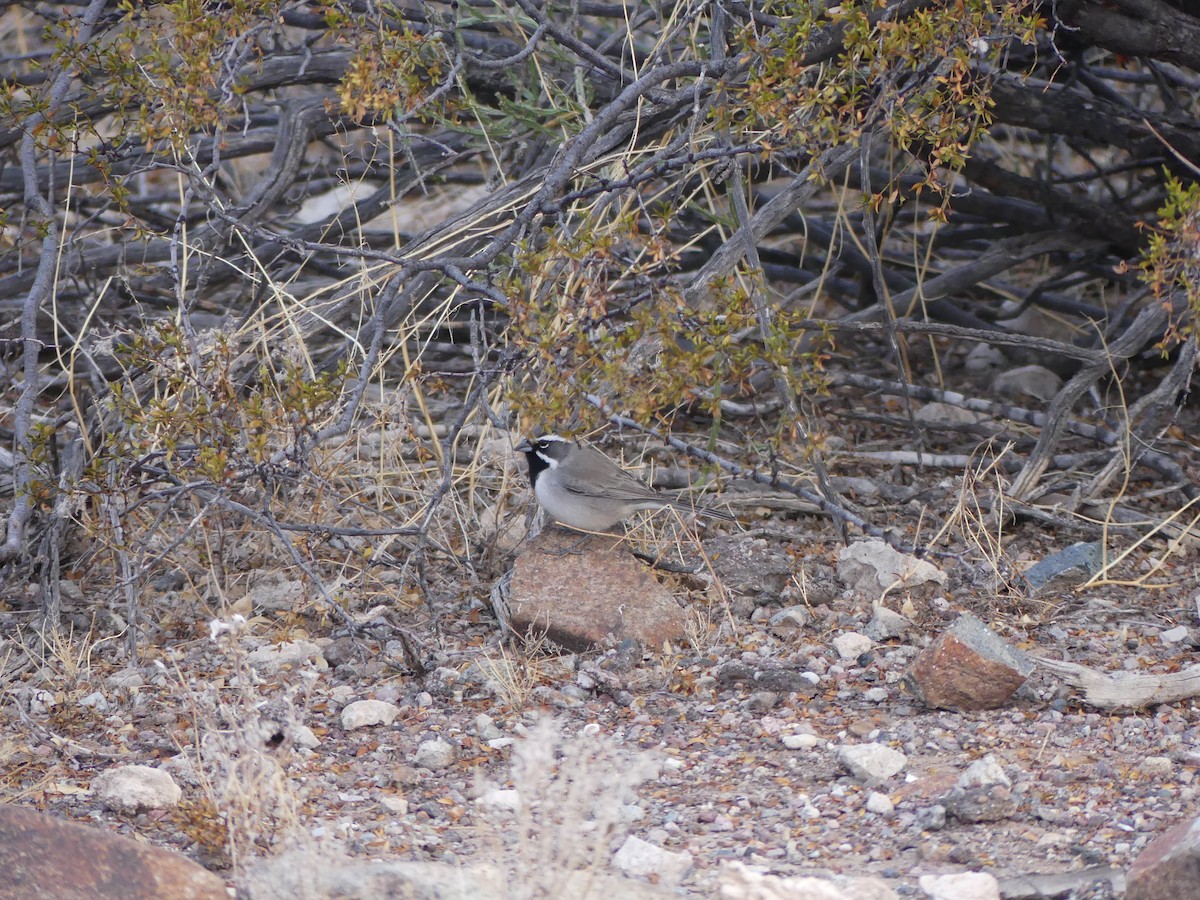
{"points": [[961, 886], [984, 773], [133, 788], [37, 701], [500, 800], [641, 858], [871, 567], [365, 713], [872, 762], [880, 804], [290, 653], [305, 737], [852, 645], [435, 754], [395, 805], [1174, 635], [876, 695], [738, 881], [501, 743], [801, 741]]}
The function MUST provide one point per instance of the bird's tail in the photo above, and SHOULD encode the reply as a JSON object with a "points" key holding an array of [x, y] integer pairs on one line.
{"points": [[706, 511]]}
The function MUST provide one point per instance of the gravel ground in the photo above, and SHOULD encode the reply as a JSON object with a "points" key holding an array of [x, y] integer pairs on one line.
{"points": [[724, 770]]}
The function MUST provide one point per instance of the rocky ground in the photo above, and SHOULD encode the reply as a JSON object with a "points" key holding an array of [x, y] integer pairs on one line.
{"points": [[543, 763]]}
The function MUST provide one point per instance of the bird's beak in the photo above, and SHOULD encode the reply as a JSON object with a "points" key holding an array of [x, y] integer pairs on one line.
{"points": [[524, 446]]}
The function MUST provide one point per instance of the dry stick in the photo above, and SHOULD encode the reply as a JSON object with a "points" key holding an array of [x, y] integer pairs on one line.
{"points": [[1145, 328], [43, 285], [884, 301], [959, 332], [1166, 390], [837, 512], [1152, 459]]}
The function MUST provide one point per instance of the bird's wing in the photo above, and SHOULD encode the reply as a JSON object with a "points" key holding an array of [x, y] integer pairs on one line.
{"points": [[613, 482]]}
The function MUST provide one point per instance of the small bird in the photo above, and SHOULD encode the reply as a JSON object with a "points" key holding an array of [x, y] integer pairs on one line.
{"points": [[582, 488]]}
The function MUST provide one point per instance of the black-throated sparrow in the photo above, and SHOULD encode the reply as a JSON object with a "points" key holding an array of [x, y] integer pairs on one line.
{"points": [[582, 488]]}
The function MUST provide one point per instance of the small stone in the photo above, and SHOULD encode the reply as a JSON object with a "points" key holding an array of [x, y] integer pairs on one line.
{"points": [[365, 713], [1174, 635], [135, 788], [801, 741], [761, 701], [931, 818], [398, 806], [983, 793], [880, 804], [871, 567], [1156, 766], [984, 772], [851, 645], [290, 654], [872, 762], [1028, 381], [500, 800], [485, 728], [1074, 565], [127, 679], [960, 886], [790, 620], [642, 859], [305, 737], [886, 624], [434, 754], [875, 695]]}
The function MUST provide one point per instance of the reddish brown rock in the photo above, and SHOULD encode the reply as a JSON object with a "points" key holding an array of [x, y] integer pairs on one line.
{"points": [[968, 667], [579, 590], [1169, 867], [41, 856]]}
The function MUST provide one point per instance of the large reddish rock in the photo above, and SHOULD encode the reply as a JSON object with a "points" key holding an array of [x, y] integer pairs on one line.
{"points": [[581, 591], [41, 856], [969, 667], [1169, 867]]}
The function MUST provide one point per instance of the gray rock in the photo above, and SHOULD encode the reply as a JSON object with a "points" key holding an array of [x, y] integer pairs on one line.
{"points": [[366, 713], [886, 624], [290, 654], [872, 762], [871, 567], [1028, 381], [643, 859], [135, 788], [983, 793], [1074, 565], [435, 754]]}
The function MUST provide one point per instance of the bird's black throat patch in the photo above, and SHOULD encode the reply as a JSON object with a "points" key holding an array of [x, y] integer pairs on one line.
{"points": [[537, 465]]}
